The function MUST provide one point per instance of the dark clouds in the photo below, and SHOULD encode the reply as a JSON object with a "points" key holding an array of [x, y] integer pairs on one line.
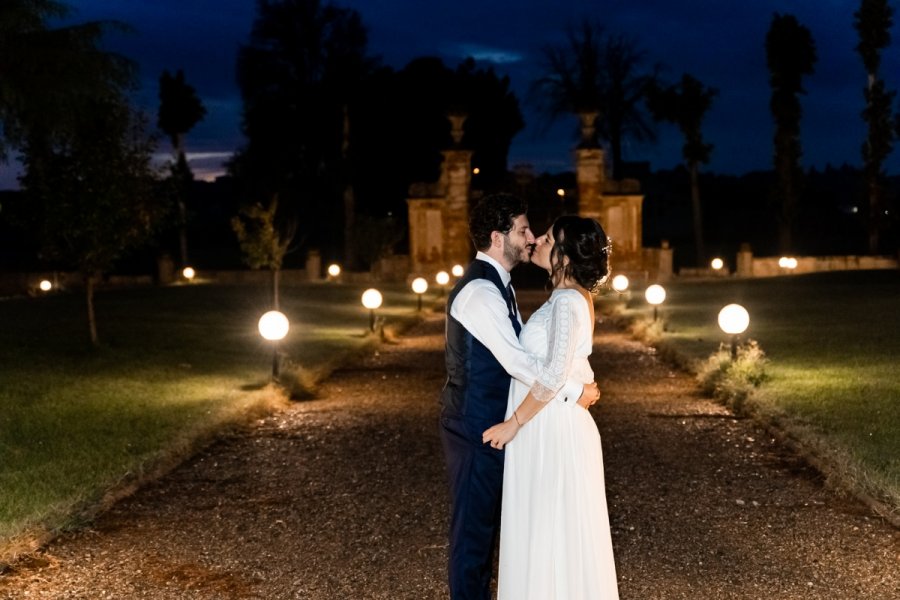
{"points": [[719, 42]]}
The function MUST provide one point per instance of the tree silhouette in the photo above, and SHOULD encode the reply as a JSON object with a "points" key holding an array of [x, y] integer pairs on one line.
{"points": [[873, 23], [92, 192], [790, 54], [179, 111], [594, 72], [49, 75], [685, 104], [298, 76]]}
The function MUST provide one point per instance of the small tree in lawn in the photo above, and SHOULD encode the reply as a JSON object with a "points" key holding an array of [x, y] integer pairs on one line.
{"points": [[263, 243], [92, 192]]}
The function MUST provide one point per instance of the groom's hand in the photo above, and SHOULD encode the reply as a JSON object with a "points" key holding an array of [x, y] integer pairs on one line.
{"points": [[500, 434], [590, 395]]}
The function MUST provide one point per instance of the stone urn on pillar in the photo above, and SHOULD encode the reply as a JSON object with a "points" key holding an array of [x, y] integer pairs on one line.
{"points": [[457, 120], [588, 120]]}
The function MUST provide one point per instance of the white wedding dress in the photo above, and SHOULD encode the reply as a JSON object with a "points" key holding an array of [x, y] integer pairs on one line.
{"points": [[554, 531]]}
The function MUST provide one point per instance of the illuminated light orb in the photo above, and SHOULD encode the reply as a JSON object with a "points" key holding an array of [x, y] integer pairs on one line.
{"points": [[561, 193], [442, 278], [457, 270], [717, 264], [45, 286], [420, 285], [620, 283], [783, 262], [334, 270], [371, 298], [273, 325], [476, 171], [189, 273], [734, 319], [791, 263], [655, 294]]}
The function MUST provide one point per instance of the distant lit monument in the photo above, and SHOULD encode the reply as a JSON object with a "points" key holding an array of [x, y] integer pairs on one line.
{"points": [[616, 204], [439, 211]]}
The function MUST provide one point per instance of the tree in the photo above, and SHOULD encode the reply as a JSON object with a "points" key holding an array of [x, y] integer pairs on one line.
{"points": [[597, 73], [179, 111], [264, 245], [92, 192], [298, 77], [49, 75], [685, 104], [873, 22], [790, 54]]}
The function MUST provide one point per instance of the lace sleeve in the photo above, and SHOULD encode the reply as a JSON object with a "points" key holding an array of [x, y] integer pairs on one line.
{"points": [[561, 338]]}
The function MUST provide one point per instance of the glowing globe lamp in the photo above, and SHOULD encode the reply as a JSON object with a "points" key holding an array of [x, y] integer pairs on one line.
{"points": [[46, 286], [273, 326], [620, 283], [419, 286], [457, 270], [371, 299], [442, 278], [717, 264], [734, 320], [189, 273], [655, 295], [334, 270]]}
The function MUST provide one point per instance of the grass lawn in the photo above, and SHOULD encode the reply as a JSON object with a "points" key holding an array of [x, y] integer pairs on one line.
{"points": [[176, 365], [833, 342]]}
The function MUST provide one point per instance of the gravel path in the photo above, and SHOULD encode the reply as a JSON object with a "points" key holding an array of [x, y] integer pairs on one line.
{"points": [[345, 497]]}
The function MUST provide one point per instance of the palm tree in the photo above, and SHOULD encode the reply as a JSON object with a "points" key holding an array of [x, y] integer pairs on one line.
{"points": [[594, 72], [791, 54], [179, 110], [685, 104], [873, 22]]}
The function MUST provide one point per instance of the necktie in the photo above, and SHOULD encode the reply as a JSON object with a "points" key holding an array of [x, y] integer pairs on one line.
{"points": [[512, 300]]}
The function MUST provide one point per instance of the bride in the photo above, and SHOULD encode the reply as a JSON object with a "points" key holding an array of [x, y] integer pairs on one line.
{"points": [[554, 531]]}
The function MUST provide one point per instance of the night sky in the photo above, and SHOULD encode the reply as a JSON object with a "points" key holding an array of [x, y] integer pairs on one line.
{"points": [[719, 42]]}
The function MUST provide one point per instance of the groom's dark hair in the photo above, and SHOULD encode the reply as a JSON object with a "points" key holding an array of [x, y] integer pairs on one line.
{"points": [[495, 212]]}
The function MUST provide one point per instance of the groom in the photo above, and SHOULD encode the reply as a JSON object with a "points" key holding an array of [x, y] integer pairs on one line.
{"points": [[482, 352]]}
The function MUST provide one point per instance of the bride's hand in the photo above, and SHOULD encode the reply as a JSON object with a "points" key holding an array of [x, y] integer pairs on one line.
{"points": [[500, 434]]}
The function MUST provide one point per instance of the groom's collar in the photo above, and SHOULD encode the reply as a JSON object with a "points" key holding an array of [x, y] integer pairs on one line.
{"points": [[504, 274]]}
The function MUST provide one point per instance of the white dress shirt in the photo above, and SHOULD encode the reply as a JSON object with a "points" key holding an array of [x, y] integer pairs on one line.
{"points": [[482, 310]]}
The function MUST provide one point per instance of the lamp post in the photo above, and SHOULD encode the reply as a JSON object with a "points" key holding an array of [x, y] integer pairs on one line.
{"points": [[371, 299], [733, 320], [334, 271], [655, 295], [442, 279], [717, 264], [419, 286], [273, 326], [620, 284], [188, 273]]}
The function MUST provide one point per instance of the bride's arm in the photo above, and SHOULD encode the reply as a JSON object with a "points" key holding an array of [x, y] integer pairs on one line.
{"points": [[551, 379]]}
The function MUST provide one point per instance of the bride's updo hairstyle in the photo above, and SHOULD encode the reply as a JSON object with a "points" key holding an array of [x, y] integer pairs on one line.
{"points": [[585, 244]]}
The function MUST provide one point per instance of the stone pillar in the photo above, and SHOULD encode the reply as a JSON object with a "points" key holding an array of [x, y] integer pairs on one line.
{"points": [[456, 180], [427, 236], [665, 262], [313, 265], [590, 176], [744, 266]]}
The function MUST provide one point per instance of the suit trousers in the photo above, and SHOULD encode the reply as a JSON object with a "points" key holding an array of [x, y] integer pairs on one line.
{"points": [[476, 479]]}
